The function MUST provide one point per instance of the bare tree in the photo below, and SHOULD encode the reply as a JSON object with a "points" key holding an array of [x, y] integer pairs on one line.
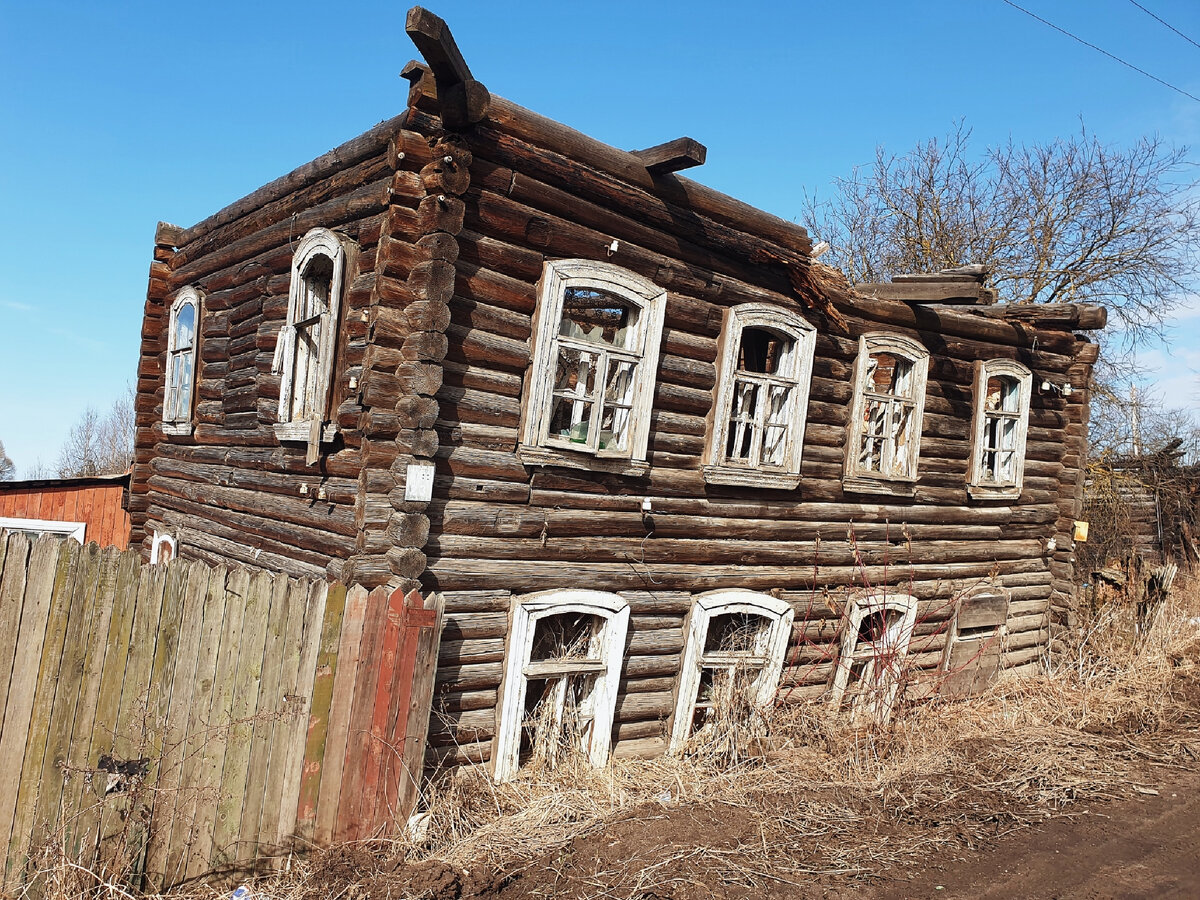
{"points": [[1071, 220], [8, 470], [100, 445]]}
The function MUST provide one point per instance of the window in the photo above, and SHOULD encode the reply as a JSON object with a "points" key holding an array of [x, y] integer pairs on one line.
{"points": [[305, 348], [163, 548], [875, 638], [595, 352], [562, 667], [181, 362], [736, 641], [884, 438], [1002, 390], [763, 374], [975, 642], [35, 528]]}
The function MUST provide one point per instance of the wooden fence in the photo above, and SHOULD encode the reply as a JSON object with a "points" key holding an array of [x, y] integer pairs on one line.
{"points": [[165, 721]]}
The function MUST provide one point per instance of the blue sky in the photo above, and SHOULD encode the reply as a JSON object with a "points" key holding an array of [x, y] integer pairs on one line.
{"points": [[114, 116]]}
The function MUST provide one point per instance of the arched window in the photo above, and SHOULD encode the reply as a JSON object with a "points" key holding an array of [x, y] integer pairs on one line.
{"points": [[736, 641], [763, 375], [305, 348], [181, 361], [591, 384], [164, 547], [875, 638], [1002, 391], [884, 439], [561, 671]]}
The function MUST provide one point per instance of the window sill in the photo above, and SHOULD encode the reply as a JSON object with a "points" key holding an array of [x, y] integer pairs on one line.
{"points": [[299, 432], [178, 428], [989, 492], [750, 478], [879, 484], [545, 456]]}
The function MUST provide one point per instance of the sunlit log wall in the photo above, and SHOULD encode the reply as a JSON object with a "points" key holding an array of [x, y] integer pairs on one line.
{"points": [[452, 231]]}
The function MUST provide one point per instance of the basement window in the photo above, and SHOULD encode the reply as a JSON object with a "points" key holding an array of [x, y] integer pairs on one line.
{"points": [[736, 642], [1002, 391], [181, 362], [763, 374], [884, 439], [562, 667], [590, 386], [307, 342], [975, 642], [876, 633]]}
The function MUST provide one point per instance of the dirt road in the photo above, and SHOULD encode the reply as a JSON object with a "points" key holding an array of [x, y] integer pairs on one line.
{"points": [[1144, 847]]}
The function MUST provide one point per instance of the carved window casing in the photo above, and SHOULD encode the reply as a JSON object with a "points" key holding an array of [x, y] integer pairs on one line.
{"points": [[35, 528], [561, 672], [884, 437], [763, 375], [183, 327], [876, 633], [1002, 392], [304, 352], [736, 643], [590, 386]]}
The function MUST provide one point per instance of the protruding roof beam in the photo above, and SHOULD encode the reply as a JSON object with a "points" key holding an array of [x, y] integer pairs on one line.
{"points": [[464, 100], [673, 156]]}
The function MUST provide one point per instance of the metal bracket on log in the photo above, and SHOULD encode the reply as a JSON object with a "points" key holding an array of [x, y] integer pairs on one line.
{"points": [[464, 100], [673, 156]]}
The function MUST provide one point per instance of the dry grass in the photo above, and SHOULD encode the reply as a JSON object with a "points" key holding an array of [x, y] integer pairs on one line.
{"points": [[816, 796]]}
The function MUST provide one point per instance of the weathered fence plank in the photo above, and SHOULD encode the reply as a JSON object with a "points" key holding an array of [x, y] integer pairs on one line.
{"points": [[162, 721]]}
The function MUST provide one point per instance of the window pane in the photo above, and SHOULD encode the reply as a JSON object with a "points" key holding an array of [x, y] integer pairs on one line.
{"points": [[742, 421], [318, 285], [598, 317], [1003, 394], [185, 327], [576, 373], [737, 632], [890, 374], [183, 387], [901, 437], [764, 352], [565, 636]]}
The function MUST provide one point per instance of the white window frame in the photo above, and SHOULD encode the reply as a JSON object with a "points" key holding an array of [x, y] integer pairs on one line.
{"points": [[858, 478], [74, 530], [318, 242], [163, 539], [977, 486], [606, 658], [769, 656], [177, 403], [876, 702], [718, 468], [537, 446]]}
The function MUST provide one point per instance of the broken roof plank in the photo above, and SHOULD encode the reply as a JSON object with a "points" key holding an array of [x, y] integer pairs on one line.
{"points": [[673, 156], [967, 293]]}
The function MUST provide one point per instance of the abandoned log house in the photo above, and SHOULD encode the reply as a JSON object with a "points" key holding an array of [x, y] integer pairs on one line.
{"points": [[650, 453]]}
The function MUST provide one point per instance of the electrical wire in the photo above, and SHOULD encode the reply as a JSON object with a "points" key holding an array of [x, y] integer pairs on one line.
{"points": [[1101, 50], [1164, 23]]}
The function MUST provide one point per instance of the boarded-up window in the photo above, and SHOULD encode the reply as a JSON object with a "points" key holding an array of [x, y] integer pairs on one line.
{"points": [[1002, 393], [595, 353], [736, 641], [181, 362], [561, 670], [884, 438], [764, 368], [975, 643]]}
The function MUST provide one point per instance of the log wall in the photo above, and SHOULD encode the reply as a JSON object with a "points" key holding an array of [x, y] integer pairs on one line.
{"points": [[498, 529], [452, 233]]}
